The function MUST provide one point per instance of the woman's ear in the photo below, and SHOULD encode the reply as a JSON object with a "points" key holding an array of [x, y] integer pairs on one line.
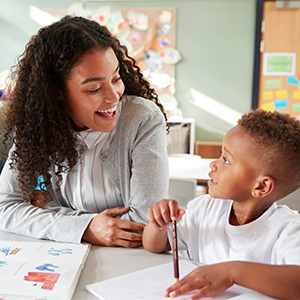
{"points": [[263, 187]]}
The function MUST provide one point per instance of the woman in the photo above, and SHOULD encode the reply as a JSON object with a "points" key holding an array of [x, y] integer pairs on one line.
{"points": [[84, 119]]}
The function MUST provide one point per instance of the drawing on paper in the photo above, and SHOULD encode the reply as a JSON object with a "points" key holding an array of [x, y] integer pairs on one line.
{"points": [[6, 250], [56, 252], [2, 263], [49, 279], [45, 267]]}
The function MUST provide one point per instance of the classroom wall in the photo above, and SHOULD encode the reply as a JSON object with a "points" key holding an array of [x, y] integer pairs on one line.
{"points": [[214, 37]]}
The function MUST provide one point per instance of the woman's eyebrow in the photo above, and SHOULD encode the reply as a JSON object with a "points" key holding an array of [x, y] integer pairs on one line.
{"points": [[98, 78]]}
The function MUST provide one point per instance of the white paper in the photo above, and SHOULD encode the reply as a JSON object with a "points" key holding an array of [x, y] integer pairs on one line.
{"points": [[150, 283], [40, 269]]}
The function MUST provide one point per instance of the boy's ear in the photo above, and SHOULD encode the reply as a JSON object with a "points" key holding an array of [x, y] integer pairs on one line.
{"points": [[263, 187]]}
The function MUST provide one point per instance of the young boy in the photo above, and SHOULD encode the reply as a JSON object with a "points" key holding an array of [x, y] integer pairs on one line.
{"points": [[248, 240]]}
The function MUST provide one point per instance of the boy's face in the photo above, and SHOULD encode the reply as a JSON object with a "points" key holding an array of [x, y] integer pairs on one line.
{"points": [[233, 174]]}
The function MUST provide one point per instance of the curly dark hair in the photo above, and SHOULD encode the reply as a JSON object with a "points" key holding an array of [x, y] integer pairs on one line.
{"points": [[43, 134], [276, 145]]}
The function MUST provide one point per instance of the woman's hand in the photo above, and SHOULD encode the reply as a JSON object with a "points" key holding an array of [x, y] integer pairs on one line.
{"points": [[208, 280], [106, 230]]}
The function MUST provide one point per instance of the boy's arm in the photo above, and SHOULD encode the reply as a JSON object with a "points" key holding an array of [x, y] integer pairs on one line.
{"points": [[155, 239], [278, 281], [160, 216]]}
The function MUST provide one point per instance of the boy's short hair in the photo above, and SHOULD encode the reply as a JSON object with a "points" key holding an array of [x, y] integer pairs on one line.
{"points": [[276, 146]]}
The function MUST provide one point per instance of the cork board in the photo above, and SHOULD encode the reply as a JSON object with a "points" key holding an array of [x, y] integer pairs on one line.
{"points": [[279, 68]]}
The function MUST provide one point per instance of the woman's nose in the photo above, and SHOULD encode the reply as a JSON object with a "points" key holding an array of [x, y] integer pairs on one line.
{"points": [[112, 94]]}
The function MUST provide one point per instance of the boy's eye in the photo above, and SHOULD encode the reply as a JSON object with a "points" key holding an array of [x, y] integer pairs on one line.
{"points": [[225, 160]]}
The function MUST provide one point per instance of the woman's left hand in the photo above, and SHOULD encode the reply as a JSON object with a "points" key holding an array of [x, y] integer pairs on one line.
{"points": [[106, 230]]}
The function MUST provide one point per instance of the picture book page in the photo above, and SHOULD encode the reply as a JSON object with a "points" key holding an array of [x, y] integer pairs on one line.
{"points": [[40, 269]]}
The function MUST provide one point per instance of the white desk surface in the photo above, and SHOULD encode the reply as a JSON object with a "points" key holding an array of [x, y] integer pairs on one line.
{"points": [[105, 263], [108, 262], [189, 166]]}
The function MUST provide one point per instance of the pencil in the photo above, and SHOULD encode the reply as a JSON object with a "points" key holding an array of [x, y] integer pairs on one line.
{"points": [[175, 251]]}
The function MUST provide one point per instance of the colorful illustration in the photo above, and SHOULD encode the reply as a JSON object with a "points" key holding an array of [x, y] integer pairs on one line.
{"points": [[160, 43], [165, 17], [45, 267], [147, 33], [170, 56], [46, 270], [2, 263], [15, 251], [6, 250], [137, 20], [56, 252], [102, 15], [49, 279]]}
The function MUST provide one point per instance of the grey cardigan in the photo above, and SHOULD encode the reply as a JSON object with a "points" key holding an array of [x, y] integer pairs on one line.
{"points": [[136, 161]]}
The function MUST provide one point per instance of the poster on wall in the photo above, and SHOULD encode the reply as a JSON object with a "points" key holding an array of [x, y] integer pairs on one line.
{"points": [[279, 64]]}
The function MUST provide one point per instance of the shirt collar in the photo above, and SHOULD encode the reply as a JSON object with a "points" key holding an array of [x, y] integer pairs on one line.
{"points": [[92, 137]]}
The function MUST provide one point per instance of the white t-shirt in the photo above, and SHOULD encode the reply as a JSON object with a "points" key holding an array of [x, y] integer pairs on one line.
{"points": [[274, 238]]}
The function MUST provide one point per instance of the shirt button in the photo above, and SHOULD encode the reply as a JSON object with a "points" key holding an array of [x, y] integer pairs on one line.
{"points": [[103, 158]]}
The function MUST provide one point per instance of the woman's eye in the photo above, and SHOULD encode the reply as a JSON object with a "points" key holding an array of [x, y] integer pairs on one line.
{"points": [[95, 91], [116, 80]]}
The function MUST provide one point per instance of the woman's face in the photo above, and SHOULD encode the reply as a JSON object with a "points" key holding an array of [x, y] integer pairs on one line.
{"points": [[94, 91]]}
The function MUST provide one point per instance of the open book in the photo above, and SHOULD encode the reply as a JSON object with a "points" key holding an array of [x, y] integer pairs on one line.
{"points": [[45, 270], [150, 283]]}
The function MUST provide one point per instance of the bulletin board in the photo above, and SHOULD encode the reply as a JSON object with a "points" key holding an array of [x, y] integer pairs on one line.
{"points": [[148, 33], [276, 82]]}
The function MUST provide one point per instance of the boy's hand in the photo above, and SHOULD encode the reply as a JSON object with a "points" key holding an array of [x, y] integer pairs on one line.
{"points": [[208, 280], [162, 213]]}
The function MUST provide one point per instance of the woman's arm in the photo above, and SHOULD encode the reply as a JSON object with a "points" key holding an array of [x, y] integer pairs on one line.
{"points": [[53, 222]]}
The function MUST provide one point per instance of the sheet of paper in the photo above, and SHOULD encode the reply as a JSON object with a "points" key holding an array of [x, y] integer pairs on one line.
{"points": [[150, 283], [40, 269]]}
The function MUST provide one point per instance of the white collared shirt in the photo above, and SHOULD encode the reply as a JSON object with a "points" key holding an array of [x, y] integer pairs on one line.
{"points": [[89, 187]]}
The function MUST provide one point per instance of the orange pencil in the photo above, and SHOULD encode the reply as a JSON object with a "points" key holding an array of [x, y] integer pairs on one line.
{"points": [[175, 252]]}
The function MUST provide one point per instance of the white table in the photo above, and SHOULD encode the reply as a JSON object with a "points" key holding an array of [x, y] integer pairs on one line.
{"points": [[105, 263], [109, 262]]}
